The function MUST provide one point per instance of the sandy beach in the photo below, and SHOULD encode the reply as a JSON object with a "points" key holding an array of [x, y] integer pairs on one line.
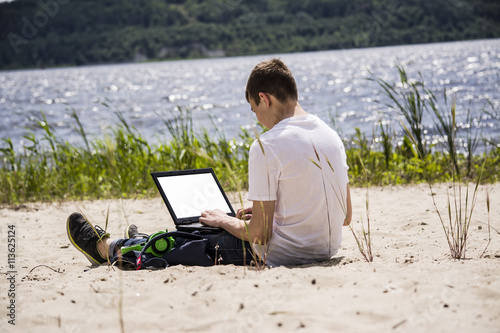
{"points": [[412, 285]]}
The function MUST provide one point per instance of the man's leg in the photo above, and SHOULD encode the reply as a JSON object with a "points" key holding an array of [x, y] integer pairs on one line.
{"points": [[96, 245], [94, 242], [104, 248], [110, 247], [227, 249]]}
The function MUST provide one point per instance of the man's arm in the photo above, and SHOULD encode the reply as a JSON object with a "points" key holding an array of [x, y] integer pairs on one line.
{"points": [[258, 229]]}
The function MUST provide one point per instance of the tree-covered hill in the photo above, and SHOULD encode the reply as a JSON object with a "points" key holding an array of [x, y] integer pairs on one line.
{"points": [[39, 33]]}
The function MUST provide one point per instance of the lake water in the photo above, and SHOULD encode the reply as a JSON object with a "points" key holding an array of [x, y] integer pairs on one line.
{"points": [[331, 84]]}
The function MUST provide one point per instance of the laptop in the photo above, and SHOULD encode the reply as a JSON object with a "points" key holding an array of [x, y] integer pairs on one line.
{"points": [[187, 193]]}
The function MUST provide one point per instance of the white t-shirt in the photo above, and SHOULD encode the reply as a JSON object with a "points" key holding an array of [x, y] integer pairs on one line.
{"points": [[310, 201]]}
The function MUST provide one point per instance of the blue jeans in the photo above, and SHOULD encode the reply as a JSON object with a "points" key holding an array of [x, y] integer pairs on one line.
{"points": [[228, 249]]}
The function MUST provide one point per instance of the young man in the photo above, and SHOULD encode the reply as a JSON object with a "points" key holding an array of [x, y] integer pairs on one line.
{"points": [[298, 184], [297, 177]]}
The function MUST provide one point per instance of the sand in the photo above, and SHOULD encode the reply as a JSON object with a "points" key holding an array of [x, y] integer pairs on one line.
{"points": [[412, 285]]}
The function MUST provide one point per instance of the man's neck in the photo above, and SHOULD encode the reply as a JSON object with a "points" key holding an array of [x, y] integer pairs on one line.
{"points": [[291, 109]]}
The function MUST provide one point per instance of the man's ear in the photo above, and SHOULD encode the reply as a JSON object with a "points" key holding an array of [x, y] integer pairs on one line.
{"points": [[265, 98]]}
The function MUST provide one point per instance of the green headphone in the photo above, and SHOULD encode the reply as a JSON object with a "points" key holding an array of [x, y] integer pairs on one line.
{"points": [[160, 246]]}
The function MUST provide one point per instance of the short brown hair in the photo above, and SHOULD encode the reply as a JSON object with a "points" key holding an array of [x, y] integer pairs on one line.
{"points": [[272, 77]]}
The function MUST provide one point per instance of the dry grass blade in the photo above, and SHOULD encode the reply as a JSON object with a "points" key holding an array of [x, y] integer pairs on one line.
{"points": [[364, 242], [338, 193], [489, 223], [367, 235], [120, 305], [315, 163]]}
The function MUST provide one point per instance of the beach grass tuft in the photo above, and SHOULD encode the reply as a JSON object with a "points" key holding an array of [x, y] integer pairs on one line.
{"points": [[364, 241], [460, 206]]}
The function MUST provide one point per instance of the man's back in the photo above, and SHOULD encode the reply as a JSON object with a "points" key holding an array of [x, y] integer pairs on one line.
{"points": [[299, 155]]}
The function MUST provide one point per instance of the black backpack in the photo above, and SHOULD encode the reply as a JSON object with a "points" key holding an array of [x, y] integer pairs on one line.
{"points": [[189, 249]]}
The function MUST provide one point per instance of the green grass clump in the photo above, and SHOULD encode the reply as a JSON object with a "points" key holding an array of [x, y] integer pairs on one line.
{"points": [[403, 165], [119, 164], [116, 166]]}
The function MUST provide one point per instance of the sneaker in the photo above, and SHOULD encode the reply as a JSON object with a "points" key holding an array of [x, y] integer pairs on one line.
{"points": [[85, 237], [132, 231]]}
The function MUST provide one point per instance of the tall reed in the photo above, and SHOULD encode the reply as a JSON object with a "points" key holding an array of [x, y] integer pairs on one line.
{"points": [[446, 126], [387, 136], [409, 100]]}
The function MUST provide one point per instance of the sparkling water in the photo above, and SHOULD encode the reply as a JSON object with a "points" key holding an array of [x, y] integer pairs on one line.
{"points": [[332, 85]]}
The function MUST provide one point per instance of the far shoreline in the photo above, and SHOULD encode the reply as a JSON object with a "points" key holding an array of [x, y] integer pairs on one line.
{"points": [[257, 55]]}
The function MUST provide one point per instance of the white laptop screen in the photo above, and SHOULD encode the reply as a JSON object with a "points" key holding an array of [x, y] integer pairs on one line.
{"points": [[189, 195]]}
